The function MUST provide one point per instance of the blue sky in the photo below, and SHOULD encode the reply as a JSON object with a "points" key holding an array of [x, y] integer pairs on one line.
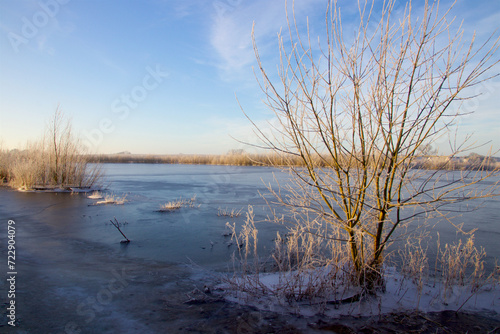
{"points": [[162, 76]]}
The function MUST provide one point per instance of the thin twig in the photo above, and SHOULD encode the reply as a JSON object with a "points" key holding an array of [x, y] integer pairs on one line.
{"points": [[117, 225]]}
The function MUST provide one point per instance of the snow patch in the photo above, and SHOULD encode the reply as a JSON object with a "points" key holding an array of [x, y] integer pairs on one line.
{"points": [[401, 294]]}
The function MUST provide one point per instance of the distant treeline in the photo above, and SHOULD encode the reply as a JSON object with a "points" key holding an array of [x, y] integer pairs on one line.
{"points": [[472, 161], [240, 159]]}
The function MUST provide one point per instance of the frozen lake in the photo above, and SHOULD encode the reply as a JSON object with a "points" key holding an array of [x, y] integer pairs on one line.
{"points": [[74, 276], [188, 234]]}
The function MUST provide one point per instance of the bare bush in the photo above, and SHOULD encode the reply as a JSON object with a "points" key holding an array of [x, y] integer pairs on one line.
{"points": [[359, 111]]}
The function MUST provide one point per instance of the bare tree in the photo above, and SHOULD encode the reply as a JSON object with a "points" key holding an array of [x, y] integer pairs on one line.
{"points": [[358, 110], [59, 139]]}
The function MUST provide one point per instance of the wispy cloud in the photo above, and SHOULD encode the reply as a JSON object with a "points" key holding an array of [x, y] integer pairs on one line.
{"points": [[230, 33]]}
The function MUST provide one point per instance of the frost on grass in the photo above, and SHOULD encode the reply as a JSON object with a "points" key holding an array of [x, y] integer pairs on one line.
{"points": [[111, 199], [177, 204], [308, 274], [278, 291], [95, 195], [233, 213]]}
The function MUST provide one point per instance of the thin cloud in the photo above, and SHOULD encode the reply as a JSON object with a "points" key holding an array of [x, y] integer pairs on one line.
{"points": [[232, 26]]}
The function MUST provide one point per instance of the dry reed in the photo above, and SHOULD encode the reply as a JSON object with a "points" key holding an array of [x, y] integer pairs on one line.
{"points": [[112, 199], [267, 159], [177, 204], [95, 195], [233, 213], [462, 264], [57, 160], [310, 263], [314, 265]]}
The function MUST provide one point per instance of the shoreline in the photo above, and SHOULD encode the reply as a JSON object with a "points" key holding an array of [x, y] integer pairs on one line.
{"points": [[273, 160]]}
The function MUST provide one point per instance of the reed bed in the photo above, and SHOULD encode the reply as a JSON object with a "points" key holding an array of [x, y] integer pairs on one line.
{"points": [[472, 161], [34, 168], [240, 159], [57, 160]]}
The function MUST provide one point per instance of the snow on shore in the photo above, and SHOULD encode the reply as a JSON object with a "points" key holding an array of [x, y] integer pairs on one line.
{"points": [[400, 295]]}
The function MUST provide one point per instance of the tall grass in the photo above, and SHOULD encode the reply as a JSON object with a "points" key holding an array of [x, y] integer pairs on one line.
{"points": [[5, 163], [34, 168], [57, 160], [314, 266], [462, 264], [233, 213], [311, 265]]}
